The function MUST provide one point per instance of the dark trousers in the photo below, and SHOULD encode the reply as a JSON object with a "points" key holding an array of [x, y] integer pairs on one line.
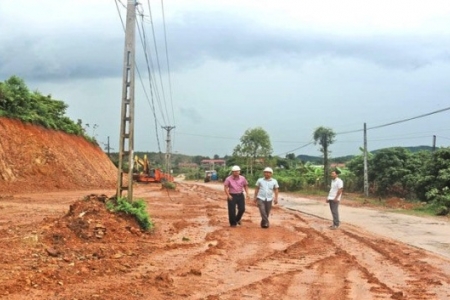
{"points": [[264, 211], [334, 207], [237, 200]]}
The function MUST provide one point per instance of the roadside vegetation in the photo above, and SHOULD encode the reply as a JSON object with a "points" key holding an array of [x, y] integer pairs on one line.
{"points": [[421, 177], [18, 102]]}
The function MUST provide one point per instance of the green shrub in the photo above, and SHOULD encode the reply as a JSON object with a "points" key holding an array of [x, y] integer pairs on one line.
{"points": [[169, 185], [137, 208], [18, 102]]}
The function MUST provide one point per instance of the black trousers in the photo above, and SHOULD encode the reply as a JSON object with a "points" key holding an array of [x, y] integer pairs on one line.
{"points": [[237, 200]]}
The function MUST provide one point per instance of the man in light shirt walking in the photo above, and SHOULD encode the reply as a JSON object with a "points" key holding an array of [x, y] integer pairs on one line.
{"points": [[266, 192], [334, 197]]}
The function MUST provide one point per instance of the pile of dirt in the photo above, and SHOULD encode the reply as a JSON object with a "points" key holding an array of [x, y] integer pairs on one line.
{"points": [[395, 202], [89, 241], [33, 158], [88, 222]]}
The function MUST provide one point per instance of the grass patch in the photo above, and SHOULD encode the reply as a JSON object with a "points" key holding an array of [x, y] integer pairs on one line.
{"points": [[311, 192], [428, 209], [169, 185], [137, 208]]}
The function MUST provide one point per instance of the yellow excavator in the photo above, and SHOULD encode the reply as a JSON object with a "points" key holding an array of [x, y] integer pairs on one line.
{"points": [[145, 174]]}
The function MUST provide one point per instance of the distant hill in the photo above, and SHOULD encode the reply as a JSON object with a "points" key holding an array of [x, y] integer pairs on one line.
{"points": [[342, 159], [309, 158], [412, 149]]}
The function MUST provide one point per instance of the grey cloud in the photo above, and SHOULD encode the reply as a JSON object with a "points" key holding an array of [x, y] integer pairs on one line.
{"points": [[61, 56], [191, 114], [196, 38], [226, 38]]}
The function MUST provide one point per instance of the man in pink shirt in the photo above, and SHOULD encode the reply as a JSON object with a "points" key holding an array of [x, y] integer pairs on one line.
{"points": [[234, 187]]}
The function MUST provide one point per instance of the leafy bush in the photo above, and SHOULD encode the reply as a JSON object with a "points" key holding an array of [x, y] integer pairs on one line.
{"points": [[440, 200], [136, 208], [169, 185], [17, 102]]}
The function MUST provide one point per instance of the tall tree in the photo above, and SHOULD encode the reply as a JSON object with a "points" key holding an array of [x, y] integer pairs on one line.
{"points": [[324, 136], [255, 143]]}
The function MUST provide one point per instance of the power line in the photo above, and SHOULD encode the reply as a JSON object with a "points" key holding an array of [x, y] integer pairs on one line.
{"points": [[443, 137], [149, 69], [312, 142], [167, 58], [409, 119], [157, 58], [120, 16], [152, 104], [397, 122]]}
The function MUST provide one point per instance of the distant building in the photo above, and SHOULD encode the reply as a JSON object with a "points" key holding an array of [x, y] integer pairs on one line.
{"points": [[337, 165], [211, 163], [188, 165]]}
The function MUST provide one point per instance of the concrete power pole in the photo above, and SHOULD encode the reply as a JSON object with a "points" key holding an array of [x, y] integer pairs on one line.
{"points": [[168, 148], [126, 136], [366, 173], [108, 148]]}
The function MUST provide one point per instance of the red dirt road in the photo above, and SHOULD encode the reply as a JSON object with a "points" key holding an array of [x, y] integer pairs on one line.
{"points": [[57, 247]]}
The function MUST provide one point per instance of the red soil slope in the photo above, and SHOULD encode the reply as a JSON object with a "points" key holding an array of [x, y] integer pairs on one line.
{"points": [[33, 158]]}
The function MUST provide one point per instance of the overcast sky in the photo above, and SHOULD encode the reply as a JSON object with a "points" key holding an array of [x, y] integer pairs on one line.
{"points": [[287, 66]]}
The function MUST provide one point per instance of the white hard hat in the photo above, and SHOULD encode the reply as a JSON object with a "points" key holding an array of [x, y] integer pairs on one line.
{"points": [[235, 168], [268, 170]]}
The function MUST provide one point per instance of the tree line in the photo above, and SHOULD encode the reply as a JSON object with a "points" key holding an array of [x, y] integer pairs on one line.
{"points": [[18, 102], [420, 176]]}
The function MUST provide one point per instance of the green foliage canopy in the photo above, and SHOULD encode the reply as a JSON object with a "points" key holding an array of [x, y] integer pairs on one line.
{"points": [[255, 143], [17, 102], [324, 136]]}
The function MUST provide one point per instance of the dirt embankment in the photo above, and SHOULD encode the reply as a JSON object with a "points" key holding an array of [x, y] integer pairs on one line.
{"points": [[33, 158]]}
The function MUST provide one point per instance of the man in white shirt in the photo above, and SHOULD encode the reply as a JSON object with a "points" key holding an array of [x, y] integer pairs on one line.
{"points": [[334, 198], [266, 190]]}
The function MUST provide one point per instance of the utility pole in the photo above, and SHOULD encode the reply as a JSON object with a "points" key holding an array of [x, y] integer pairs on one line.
{"points": [[366, 173], [434, 143], [126, 136], [108, 148], [168, 148]]}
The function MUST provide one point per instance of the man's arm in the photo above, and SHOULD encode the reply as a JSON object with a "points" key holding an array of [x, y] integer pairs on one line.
{"points": [[275, 191], [255, 197], [227, 192], [338, 194], [247, 195]]}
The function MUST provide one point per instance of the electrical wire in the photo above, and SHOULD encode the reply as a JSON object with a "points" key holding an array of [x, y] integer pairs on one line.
{"points": [[143, 38], [151, 103], [303, 146], [167, 58], [157, 59], [397, 122], [168, 66], [120, 16]]}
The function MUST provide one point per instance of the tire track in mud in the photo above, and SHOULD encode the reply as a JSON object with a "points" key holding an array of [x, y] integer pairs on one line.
{"points": [[402, 274], [333, 265], [403, 270], [196, 255]]}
